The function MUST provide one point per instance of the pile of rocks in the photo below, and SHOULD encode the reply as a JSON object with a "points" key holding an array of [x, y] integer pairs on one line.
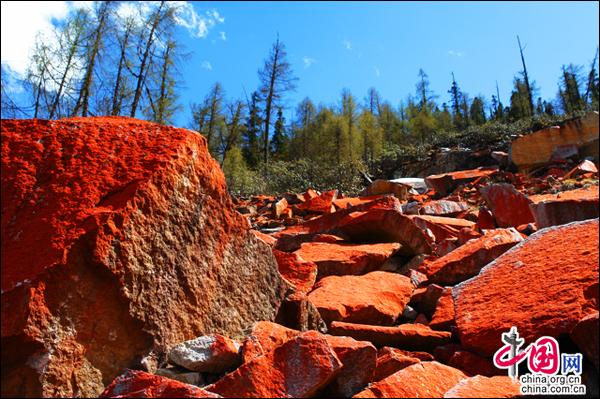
{"points": [[145, 282]]}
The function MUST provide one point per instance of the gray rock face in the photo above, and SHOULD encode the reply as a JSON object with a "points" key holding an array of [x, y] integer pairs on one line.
{"points": [[209, 353]]}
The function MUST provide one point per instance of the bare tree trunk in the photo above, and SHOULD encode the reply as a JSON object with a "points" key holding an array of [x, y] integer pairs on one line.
{"points": [[84, 94], [117, 97], [526, 78], [269, 103], [63, 79], [140, 75]]}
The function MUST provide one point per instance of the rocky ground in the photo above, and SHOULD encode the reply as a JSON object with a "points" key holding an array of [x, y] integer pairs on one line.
{"points": [[128, 271]]}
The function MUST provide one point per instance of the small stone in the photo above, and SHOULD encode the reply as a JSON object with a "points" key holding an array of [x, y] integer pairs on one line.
{"points": [[209, 353]]}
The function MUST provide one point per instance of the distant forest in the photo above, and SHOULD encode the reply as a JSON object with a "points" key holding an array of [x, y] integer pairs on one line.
{"points": [[99, 63]]}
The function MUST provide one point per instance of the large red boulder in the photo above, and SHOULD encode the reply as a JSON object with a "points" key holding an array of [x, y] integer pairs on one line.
{"points": [[467, 260], [565, 207], [543, 286], [139, 384], [118, 239], [298, 368], [343, 258], [374, 298], [421, 380], [509, 206]]}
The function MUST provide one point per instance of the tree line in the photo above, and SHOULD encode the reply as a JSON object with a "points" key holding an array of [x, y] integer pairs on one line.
{"points": [[99, 62], [102, 62]]}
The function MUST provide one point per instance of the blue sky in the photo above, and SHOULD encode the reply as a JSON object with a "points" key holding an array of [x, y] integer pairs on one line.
{"points": [[356, 45], [332, 45]]}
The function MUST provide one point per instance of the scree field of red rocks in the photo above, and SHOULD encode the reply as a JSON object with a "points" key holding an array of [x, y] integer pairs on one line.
{"points": [[128, 270]]}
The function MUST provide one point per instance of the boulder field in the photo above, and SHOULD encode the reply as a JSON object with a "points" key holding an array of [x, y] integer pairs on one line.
{"points": [[129, 271]]}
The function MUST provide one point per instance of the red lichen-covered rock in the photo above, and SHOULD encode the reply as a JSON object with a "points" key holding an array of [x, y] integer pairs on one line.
{"points": [[208, 354], [390, 360], [443, 208], [583, 168], [565, 207], [321, 204], [263, 338], [408, 336], [298, 368], [118, 238], [381, 186], [374, 298], [510, 207], [358, 359], [443, 228], [343, 203], [343, 258], [467, 260], [421, 380], [473, 364], [383, 225], [139, 384], [485, 387], [585, 335], [445, 183], [542, 286], [443, 317], [298, 272]]}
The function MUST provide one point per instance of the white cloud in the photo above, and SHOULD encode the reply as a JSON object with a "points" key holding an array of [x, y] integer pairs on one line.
{"points": [[347, 44], [377, 71], [222, 35], [206, 65], [456, 53], [308, 61], [20, 23]]}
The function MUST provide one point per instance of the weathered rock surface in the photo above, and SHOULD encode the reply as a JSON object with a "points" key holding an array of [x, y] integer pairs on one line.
{"points": [[565, 207], [208, 354], [381, 186], [421, 380], [346, 259], [467, 260], [537, 148], [374, 298], [139, 384], [118, 238], [321, 204], [298, 368], [297, 271], [543, 286], [416, 337], [510, 207], [485, 387]]}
